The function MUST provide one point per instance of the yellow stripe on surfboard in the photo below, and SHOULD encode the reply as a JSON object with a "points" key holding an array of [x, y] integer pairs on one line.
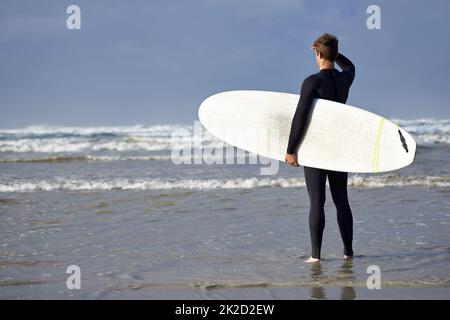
{"points": [[376, 147]]}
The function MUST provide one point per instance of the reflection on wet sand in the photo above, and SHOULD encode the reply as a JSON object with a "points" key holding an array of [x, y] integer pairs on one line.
{"points": [[344, 274]]}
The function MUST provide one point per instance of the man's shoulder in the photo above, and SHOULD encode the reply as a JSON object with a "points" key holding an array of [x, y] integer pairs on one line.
{"points": [[313, 77], [312, 80]]}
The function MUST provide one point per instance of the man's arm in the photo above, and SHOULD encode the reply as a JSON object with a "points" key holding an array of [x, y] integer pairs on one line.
{"points": [[348, 69], [298, 126]]}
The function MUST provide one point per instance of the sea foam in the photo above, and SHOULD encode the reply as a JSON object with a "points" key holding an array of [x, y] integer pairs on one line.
{"points": [[357, 181], [58, 139]]}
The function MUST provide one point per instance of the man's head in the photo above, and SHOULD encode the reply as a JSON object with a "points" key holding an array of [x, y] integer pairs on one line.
{"points": [[326, 47]]}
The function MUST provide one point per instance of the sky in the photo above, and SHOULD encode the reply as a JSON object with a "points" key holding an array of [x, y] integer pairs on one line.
{"points": [[154, 62]]}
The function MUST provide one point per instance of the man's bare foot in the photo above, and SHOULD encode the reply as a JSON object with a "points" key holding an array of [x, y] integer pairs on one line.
{"points": [[311, 260], [348, 257]]}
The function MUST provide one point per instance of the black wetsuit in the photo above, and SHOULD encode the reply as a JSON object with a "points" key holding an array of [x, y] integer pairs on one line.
{"points": [[334, 85]]}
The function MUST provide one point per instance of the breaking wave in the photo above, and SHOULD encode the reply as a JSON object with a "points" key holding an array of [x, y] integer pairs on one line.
{"points": [[86, 140], [358, 181]]}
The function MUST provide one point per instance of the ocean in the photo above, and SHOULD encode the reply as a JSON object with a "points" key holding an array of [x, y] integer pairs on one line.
{"points": [[144, 222]]}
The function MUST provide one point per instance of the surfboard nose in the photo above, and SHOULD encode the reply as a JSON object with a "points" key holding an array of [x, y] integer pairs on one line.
{"points": [[202, 110], [211, 103], [204, 106]]}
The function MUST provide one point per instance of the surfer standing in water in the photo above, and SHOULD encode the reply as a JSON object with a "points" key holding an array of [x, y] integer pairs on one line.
{"points": [[334, 85]]}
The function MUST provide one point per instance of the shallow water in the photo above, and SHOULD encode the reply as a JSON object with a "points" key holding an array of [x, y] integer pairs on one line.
{"points": [[223, 239]]}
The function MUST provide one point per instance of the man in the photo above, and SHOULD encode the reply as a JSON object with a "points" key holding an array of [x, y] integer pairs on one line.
{"points": [[334, 85]]}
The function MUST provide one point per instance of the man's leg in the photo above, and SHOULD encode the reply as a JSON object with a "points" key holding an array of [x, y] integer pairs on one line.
{"points": [[338, 187], [315, 184]]}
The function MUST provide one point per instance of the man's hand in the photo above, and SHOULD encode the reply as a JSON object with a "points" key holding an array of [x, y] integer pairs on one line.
{"points": [[291, 159]]}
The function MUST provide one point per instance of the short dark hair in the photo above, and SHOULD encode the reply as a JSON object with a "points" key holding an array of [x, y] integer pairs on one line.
{"points": [[327, 45]]}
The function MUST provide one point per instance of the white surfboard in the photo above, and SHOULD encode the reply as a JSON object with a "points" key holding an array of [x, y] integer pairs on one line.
{"points": [[339, 137]]}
